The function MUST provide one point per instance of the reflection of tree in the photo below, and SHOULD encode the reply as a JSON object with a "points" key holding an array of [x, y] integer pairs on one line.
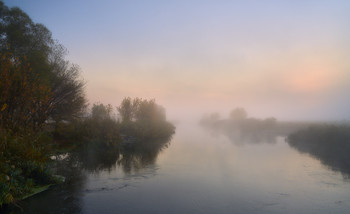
{"points": [[141, 154], [251, 130], [328, 143], [95, 157], [130, 156], [66, 197], [248, 137], [240, 129]]}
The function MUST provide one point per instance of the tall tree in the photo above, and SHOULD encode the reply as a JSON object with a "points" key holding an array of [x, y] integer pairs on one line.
{"points": [[24, 99], [23, 38], [128, 108]]}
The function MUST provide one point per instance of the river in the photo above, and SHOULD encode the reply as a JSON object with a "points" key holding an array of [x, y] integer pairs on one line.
{"points": [[198, 171]]}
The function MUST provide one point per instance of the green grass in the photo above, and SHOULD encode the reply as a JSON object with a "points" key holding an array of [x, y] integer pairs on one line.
{"points": [[42, 188]]}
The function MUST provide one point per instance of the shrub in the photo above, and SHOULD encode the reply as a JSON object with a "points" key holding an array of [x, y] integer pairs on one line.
{"points": [[22, 164]]}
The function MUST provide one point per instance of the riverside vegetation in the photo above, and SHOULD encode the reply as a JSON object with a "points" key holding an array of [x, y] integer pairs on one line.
{"points": [[43, 109], [330, 143]]}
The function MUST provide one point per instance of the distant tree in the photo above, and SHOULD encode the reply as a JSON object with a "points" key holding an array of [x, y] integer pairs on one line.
{"points": [[138, 109], [238, 114], [102, 126], [149, 110], [127, 109], [270, 122], [101, 112], [210, 119], [144, 119], [214, 116]]}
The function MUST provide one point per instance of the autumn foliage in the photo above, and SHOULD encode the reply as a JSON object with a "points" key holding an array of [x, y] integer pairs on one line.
{"points": [[24, 103], [24, 98]]}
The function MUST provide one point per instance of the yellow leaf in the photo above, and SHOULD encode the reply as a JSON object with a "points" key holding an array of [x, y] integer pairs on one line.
{"points": [[4, 107]]}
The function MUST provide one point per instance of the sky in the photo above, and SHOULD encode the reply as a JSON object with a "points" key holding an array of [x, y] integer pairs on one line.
{"points": [[288, 59]]}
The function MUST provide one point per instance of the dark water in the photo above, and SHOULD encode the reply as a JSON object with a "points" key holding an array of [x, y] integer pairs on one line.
{"points": [[197, 172]]}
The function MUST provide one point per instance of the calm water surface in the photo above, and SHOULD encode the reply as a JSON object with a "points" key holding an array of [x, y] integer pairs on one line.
{"points": [[197, 172]]}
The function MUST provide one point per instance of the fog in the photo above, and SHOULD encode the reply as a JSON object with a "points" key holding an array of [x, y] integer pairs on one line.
{"points": [[283, 59], [188, 106]]}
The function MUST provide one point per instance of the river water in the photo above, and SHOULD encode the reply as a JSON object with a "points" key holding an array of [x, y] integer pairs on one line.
{"points": [[198, 171]]}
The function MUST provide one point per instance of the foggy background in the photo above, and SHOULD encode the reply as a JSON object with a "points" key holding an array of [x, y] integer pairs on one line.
{"points": [[287, 59]]}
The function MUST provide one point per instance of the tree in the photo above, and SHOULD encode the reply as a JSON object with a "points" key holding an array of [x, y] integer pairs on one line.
{"points": [[67, 87], [24, 98], [238, 114], [23, 38], [102, 126], [138, 109], [149, 110], [101, 112], [36, 84], [24, 105], [144, 119], [128, 108]]}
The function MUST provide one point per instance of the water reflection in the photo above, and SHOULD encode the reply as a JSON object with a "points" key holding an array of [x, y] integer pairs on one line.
{"points": [[328, 143], [139, 155], [130, 157], [244, 131], [242, 136], [78, 167], [94, 158]]}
